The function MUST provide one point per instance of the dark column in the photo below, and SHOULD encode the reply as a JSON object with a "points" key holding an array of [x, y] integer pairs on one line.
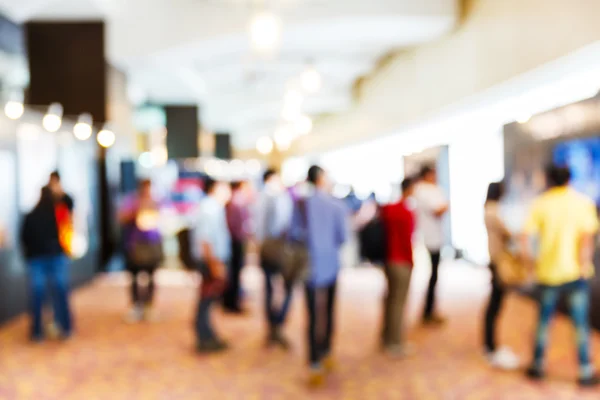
{"points": [[67, 65], [223, 146], [182, 131]]}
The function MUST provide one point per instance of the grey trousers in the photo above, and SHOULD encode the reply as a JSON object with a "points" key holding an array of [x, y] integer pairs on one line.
{"points": [[398, 279]]}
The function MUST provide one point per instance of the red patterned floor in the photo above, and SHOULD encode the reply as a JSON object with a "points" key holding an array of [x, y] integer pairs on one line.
{"points": [[109, 359]]}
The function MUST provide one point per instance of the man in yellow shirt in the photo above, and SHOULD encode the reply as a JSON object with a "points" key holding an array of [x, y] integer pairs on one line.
{"points": [[565, 223]]}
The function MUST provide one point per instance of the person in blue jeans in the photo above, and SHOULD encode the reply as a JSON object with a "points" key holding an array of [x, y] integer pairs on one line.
{"points": [[46, 262], [211, 249], [577, 294], [565, 224]]}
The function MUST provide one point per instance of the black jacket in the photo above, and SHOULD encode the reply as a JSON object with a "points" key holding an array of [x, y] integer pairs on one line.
{"points": [[39, 233]]}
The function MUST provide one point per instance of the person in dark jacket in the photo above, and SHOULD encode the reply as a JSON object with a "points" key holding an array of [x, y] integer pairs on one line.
{"points": [[46, 261]]}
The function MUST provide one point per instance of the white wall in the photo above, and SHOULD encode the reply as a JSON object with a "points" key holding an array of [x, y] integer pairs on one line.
{"points": [[475, 160]]}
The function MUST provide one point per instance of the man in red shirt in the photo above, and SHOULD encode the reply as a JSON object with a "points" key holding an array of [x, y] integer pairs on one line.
{"points": [[399, 222]]}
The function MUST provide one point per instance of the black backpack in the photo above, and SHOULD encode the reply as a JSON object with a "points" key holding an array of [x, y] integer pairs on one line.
{"points": [[185, 249], [373, 240]]}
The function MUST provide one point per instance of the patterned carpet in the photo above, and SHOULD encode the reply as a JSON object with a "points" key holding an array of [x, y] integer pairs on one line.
{"points": [[109, 359]]}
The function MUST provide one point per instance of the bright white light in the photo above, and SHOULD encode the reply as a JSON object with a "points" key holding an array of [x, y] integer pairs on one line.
{"points": [[524, 119], [160, 154], [237, 168], [211, 167], [146, 160], [293, 98], [223, 169], [303, 125], [52, 122], [106, 138], [290, 113], [292, 105], [14, 109], [252, 167], [265, 32], [79, 245], [283, 143], [283, 138], [311, 80], [83, 128], [82, 131], [264, 145]]}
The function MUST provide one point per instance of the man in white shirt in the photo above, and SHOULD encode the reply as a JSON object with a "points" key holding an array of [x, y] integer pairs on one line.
{"points": [[431, 205]]}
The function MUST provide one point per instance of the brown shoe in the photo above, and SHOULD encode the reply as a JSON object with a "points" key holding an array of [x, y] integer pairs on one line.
{"points": [[316, 378], [329, 364], [434, 320]]}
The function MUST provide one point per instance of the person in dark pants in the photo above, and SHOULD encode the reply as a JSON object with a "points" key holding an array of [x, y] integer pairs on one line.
{"points": [[431, 207], [498, 240], [320, 221], [139, 215], [320, 302], [272, 220], [46, 261], [238, 221], [211, 247], [276, 313]]}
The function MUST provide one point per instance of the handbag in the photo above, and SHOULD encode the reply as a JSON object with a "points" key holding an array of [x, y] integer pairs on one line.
{"points": [[289, 257], [145, 253], [511, 269]]}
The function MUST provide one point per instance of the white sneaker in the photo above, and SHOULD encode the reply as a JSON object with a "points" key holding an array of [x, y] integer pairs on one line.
{"points": [[136, 314], [504, 358]]}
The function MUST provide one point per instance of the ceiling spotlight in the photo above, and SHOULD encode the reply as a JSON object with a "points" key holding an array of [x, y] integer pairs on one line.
{"points": [[311, 80], [51, 122], [283, 144], [265, 32], [524, 119], [264, 145], [53, 118], [83, 128], [14, 109], [293, 98], [253, 167], [303, 125], [290, 113], [106, 137], [237, 168], [283, 138]]}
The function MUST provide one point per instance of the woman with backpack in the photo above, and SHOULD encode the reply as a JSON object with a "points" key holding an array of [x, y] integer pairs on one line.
{"points": [[139, 216]]}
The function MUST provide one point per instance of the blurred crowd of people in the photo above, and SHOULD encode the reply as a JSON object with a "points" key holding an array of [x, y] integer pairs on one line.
{"points": [[298, 234]]}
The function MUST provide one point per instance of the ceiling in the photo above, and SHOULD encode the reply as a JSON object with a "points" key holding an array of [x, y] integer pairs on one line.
{"points": [[197, 51]]}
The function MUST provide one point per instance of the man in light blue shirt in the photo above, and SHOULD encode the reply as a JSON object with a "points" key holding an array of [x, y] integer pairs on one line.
{"points": [[324, 230], [272, 220], [211, 248]]}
